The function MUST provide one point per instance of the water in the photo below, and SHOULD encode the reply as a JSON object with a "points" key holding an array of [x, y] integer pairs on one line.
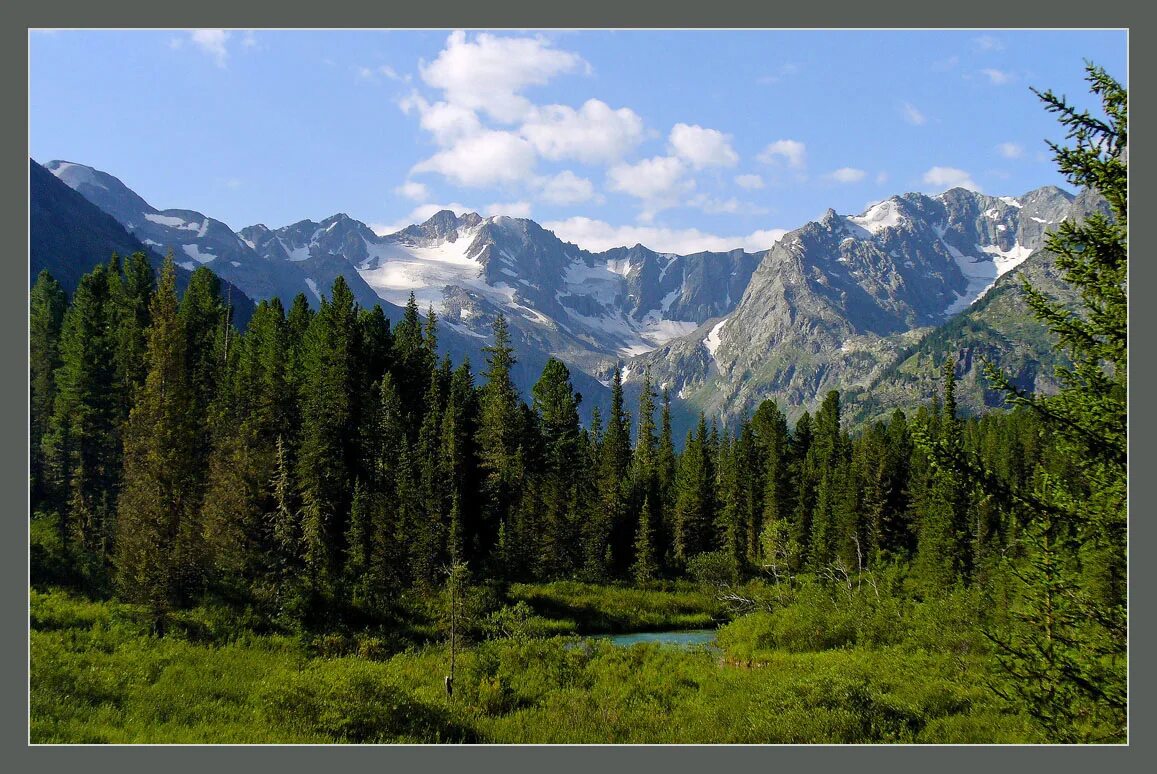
{"points": [[686, 639]]}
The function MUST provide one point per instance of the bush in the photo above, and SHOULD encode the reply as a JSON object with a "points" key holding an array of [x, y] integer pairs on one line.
{"points": [[356, 703]]}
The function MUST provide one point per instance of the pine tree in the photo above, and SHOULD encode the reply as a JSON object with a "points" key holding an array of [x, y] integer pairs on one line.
{"points": [[81, 446], [499, 432], [646, 566], [556, 405], [1067, 655], [326, 459], [158, 548], [614, 470], [46, 307]]}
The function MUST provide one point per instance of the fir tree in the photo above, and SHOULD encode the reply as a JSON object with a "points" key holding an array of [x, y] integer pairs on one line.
{"points": [[46, 307], [158, 537]]}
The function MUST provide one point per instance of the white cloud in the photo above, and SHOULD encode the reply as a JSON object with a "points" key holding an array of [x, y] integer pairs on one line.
{"points": [[566, 188], [592, 134], [847, 175], [411, 189], [881, 178], [792, 151], [212, 42], [943, 178], [484, 159], [511, 209], [912, 114], [599, 235], [658, 182], [997, 77], [488, 73], [702, 147], [1010, 150], [988, 43], [249, 40], [750, 182], [448, 123]]}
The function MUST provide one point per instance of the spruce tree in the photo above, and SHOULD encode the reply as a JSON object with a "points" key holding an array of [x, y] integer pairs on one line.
{"points": [[46, 307], [158, 551], [1067, 655], [82, 443]]}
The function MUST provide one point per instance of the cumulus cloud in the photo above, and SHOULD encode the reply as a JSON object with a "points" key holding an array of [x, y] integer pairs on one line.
{"points": [[487, 158], [212, 42], [996, 77], [592, 134], [599, 235], [750, 182], [566, 188], [1010, 150], [447, 123], [912, 114], [791, 151], [658, 182], [488, 73], [701, 147], [847, 175], [412, 189], [943, 178]]}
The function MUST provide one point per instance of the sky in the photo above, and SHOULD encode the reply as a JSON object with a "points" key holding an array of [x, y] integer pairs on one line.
{"points": [[681, 140]]}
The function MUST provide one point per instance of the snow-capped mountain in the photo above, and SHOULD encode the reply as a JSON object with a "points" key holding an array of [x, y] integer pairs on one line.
{"points": [[196, 239], [829, 305], [836, 300], [591, 309]]}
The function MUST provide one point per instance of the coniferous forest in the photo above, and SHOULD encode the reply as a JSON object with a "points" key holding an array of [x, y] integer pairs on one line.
{"points": [[318, 529]]}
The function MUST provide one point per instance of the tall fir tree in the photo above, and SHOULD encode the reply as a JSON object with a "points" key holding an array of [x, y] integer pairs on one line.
{"points": [[47, 304], [158, 548]]}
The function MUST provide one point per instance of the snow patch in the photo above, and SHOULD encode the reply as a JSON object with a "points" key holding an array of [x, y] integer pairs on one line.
{"points": [[165, 220], [235, 263], [313, 287], [713, 339], [77, 174], [879, 217], [195, 253], [188, 265], [1011, 202]]}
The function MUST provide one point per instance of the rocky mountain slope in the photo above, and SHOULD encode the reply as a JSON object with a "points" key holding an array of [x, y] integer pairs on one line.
{"points": [[844, 302]]}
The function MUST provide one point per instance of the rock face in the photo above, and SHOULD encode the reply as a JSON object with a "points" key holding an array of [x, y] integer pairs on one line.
{"points": [[835, 302]]}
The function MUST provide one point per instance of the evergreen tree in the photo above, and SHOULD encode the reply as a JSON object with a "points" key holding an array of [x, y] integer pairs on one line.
{"points": [[556, 405], [646, 566], [82, 442], [614, 482], [499, 433], [327, 455], [158, 536], [1067, 655], [46, 307]]}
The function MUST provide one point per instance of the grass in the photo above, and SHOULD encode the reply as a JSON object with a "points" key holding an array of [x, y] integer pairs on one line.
{"points": [[98, 676]]}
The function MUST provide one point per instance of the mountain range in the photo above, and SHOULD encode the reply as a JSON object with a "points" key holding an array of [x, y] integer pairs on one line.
{"points": [[851, 302]]}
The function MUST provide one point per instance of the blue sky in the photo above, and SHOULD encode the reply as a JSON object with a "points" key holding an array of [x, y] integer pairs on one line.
{"points": [[682, 140]]}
